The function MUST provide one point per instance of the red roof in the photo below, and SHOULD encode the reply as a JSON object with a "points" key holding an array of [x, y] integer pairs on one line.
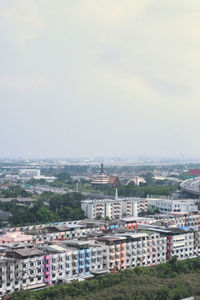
{"points": [[113, 179], [194, 172]]}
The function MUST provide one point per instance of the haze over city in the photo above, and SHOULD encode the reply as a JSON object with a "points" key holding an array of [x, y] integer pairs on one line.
{"points": [[108, 78]]}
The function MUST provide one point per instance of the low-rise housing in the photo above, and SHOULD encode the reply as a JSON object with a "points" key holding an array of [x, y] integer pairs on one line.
{"points": [[80, 250]]}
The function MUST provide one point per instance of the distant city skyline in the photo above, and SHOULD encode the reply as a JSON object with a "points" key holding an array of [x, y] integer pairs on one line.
{"points": [[108, 78]]}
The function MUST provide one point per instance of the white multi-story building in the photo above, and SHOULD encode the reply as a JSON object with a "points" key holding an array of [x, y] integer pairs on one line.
{"points": [[169, 205], [29, 173], [182, 220], [181, 245], [21, 269], [133, 249], [113, 209], [71, 260], [25, 266]]}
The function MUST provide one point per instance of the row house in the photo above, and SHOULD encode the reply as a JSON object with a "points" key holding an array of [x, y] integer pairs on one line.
{"points": [[26, 266], [71, 260], [15, 236], [145, 249], [133, 249], [89, 256], [21, 269], [63, 232], [179, 242], [113, 252], [184, 220], [33, 268], [182, 244]]}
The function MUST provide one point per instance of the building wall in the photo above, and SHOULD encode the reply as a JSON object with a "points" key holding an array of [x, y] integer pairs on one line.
{"points": [[114, 209]]}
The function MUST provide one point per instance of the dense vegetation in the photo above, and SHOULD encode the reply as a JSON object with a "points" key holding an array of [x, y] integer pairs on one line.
{"points": [[54, 207], [67, 171], [131, 190], [149, 188], [50, 207], [14, 191], [172, 280]]}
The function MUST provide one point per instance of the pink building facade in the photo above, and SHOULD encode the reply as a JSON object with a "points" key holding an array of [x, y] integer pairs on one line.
{"points": [[15, 237]]}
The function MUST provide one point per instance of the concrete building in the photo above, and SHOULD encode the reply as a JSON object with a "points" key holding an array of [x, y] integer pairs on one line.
{"points": [[80, 250], [113, 209], [21, 269], [133, 249], [29, 173], [15, 237], [167, 206]]}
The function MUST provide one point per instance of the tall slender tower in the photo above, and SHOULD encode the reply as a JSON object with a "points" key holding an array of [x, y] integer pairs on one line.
{"points": [[116, 194], [102, 171]]}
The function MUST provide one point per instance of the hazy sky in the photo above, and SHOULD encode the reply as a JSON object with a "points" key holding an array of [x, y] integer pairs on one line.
{"points": [[99, 77]]}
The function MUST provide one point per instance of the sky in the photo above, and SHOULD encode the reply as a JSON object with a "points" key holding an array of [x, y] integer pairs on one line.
{"points": [[99, 78]]}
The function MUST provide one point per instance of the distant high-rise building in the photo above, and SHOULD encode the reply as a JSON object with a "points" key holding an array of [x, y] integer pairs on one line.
{"points": [[29, 173]]}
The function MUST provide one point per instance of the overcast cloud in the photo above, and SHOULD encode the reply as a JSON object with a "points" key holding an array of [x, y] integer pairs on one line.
{"points": [[99, 77]]}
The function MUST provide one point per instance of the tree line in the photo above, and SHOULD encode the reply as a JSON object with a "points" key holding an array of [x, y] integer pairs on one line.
{"points": [[49, 207]]}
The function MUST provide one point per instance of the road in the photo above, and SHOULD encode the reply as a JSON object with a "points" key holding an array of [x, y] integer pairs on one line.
{"points": [[191, 185]]}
